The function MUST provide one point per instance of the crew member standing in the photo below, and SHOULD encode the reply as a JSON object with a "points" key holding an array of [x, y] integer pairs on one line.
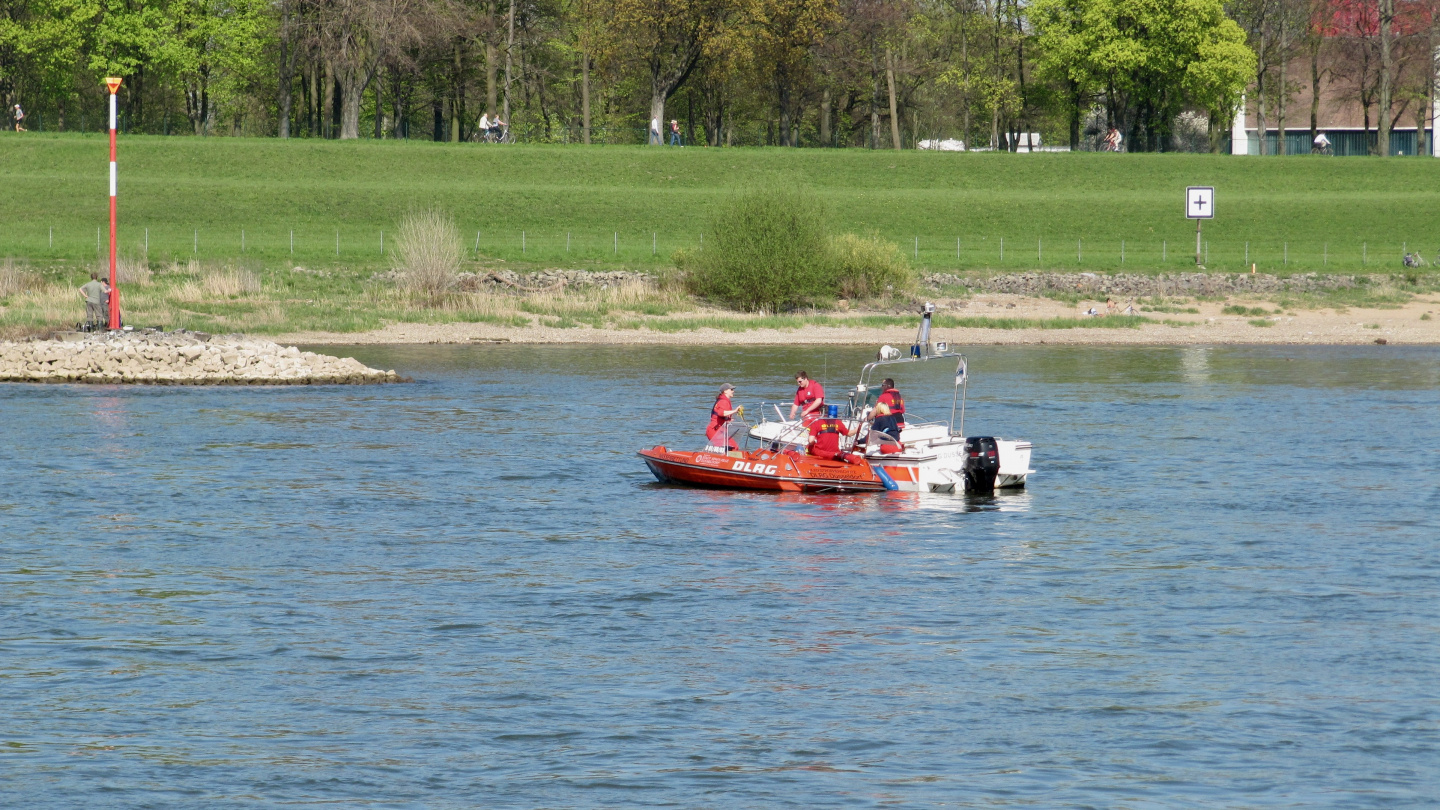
{"points": [[720, 415], [889, 411], [809, 398], [825, 436], [94, 294]]}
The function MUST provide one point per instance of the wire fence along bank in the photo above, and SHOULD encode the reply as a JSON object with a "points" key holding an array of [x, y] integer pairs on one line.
{"points": [[373, 247]]}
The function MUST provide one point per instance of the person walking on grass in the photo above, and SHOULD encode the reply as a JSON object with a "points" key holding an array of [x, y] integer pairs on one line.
{"points": [[654, 131], [675, 133], [94, 294], [19, 119]]}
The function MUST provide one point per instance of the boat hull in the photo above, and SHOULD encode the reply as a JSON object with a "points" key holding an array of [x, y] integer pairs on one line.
{"points": [[760, 470]]}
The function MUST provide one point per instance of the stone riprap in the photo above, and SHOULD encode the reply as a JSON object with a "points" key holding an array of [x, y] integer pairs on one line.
{"points": [[177, 359], [550, 279], [1182, 284]]}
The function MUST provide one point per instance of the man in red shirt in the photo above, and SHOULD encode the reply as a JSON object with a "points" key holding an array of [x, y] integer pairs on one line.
{"points": [[720, 415], [825, 436], [809, 398]]}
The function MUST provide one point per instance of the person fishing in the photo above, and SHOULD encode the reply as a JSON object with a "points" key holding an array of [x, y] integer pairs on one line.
{"points": [[825, 434], [720, 415], [809, 398], [889, 411]]}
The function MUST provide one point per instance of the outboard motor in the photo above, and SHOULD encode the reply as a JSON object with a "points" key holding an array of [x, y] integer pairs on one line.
{"points": [[982, 464]]}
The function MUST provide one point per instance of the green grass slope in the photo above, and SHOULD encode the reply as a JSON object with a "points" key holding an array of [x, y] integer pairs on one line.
{"points": [[633, 206]]}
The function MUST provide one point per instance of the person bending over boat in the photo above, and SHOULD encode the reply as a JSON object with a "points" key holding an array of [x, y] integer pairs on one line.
{"points": [[809, 398], [825, 436], [720, 415], [889, 411]]}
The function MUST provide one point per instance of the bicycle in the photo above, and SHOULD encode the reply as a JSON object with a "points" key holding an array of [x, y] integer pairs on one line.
{"points": [[504, 135]]}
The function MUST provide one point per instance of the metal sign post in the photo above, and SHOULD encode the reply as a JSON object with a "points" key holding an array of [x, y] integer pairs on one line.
{"points": [[113, 83], [1199, 206]]}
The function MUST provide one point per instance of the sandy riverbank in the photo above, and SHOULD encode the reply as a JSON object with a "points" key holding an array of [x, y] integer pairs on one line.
{"points": [[1400, 325]]}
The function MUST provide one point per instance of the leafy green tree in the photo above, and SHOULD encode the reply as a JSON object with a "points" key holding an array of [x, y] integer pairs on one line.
{"points": [[1152, 60]]}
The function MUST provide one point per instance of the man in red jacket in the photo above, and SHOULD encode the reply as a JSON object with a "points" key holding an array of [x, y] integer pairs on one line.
{"points": [[825, 436], [809, 398]]}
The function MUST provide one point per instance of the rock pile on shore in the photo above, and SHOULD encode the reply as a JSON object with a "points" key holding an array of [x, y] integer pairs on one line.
{"points": [[177, 359], [1183, 284], [546, 279]]}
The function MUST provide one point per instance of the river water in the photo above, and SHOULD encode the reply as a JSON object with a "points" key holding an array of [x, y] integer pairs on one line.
{"points": [[1222, 589]]}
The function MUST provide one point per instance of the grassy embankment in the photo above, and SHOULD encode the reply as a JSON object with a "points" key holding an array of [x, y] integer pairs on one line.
{"points": [[608, 207]]}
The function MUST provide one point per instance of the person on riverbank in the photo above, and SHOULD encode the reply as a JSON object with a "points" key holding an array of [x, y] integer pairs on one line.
{"points": [[721, 413], [95, 299], [809, 398], [889, 411], [105, 301]]}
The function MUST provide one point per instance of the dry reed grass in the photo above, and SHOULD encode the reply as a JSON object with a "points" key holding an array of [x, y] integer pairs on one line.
{"points": [[132, 271], [218, 284], [428, 253], [14, 278]]}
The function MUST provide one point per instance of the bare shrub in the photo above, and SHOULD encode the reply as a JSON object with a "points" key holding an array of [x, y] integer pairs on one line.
{"points": [[14, 278], [219, 283], [132, 271], [189, 268], [869, 266], [428, 252]]}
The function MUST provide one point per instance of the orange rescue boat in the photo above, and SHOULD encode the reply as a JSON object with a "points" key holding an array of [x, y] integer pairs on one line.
{"points": [[783, 471]]}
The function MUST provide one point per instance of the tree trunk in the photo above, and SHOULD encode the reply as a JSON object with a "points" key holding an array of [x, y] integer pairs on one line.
{"points": [[287, 82], [457, 95], [327, 130], [1260, 128], [509, 52], [1431, 79], [379, 112], [894, 114], [825, 118], [398, 127], [314, 115], [657, 113], [1281, 91], [782, 82], [1387, 73], [492, 57], [352, 89], [585, 97], [1315, 88], [1074, 116]]}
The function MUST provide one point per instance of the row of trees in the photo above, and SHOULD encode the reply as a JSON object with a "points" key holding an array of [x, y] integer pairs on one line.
{"points": [[1377, 56], [877, 73]]}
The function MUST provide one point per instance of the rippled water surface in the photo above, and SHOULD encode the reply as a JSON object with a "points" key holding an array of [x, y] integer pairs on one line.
{"points": [[1220, 590]]}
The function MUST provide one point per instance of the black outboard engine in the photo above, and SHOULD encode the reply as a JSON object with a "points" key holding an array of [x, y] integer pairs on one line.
{"points": [[982, 464]]}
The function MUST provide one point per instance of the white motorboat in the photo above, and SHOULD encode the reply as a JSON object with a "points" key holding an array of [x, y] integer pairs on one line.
{"points": [[930, 456]]}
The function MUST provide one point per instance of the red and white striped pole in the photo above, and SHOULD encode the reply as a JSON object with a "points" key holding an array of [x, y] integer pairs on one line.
{"points": [[114, 84]]}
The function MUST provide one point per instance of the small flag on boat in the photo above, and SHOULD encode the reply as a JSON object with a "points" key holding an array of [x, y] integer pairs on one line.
{"points": [[960, 372]]}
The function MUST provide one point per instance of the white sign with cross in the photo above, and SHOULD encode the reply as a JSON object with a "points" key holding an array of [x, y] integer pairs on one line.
{"points": [[1200, 202]]}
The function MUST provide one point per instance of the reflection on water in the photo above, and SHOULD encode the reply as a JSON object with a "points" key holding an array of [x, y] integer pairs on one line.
{"points": [[1220, 590]]}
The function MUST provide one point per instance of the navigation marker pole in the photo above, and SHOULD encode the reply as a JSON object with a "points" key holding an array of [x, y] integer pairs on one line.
{"points": [[1200, 206], [113, 83]]}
